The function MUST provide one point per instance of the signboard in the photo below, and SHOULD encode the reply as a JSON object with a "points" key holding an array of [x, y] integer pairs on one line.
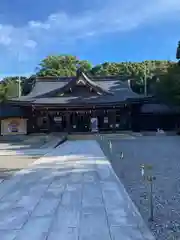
{"points": [[94, 125], [58, 119], [105, 119], [13, 126]]}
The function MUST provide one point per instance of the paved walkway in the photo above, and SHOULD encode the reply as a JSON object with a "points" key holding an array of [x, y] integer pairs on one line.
{"points": [[71, 194]]}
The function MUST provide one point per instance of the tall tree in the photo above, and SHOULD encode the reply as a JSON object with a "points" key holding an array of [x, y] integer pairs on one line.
{"points": [[62, 65], [178, 51], [3, 92], [169, 85], [11, 86]]}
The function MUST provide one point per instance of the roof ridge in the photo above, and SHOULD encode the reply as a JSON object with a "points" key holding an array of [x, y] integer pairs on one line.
{"points": [[94, 84], [92, 77], [54, 79]]}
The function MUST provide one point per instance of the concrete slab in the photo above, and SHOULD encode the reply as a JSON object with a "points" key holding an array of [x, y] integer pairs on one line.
{"points": [[70, 193], [35, 228], [6, 235]]}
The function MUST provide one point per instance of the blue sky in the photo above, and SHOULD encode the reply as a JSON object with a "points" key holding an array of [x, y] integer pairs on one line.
{"points": [[96, 30]]}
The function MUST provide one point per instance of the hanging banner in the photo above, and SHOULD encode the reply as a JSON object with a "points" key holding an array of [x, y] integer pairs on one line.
{"points": [[94, 125]]}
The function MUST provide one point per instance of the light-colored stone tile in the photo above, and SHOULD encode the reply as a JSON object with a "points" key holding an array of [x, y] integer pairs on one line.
{"points": [[8, 235], [91, 176], [54, 191], [72, 195], [36, 229], [4, 206], [112, 199], [85, 165], [38, 189], [74, 191], [46, 207], [125, 233], [59, 181], [28, 203], [46, 179], [7, 185], [94, 224], [104, 172], [92, 195], [13, 219], [66, 217], [121, 217], [66, 233], [76, 176], [13, 196]]}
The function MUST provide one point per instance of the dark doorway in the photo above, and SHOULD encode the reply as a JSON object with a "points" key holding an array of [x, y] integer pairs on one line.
{"points": [[57, 123], [83, 122]]}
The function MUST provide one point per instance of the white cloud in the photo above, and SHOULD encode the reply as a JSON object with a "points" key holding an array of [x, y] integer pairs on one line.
{"points": [[30, 44], [113, 16], [5, 40]]}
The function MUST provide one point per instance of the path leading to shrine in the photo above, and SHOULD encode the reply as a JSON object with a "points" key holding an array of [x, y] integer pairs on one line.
{"points": [[71, 193]]}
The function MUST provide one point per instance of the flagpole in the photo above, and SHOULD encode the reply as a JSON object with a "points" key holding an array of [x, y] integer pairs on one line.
{"points": [[19, 79], [145, 81], [19, 86]]}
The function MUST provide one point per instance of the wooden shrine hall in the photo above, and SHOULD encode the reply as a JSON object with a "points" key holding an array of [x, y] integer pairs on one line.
{"points": [[77, 104]]}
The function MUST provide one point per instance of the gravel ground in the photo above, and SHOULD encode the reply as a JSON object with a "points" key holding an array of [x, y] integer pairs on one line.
{"points": [[163, 153]]}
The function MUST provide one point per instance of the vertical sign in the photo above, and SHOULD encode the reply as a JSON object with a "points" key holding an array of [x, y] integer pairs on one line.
{"points": [[94, 125]]}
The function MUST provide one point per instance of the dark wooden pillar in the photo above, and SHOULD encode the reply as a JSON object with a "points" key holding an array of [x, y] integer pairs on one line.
{"points": [[47, 121], [28, 115], [33, 121], [111, 119], [68, 122], [135, 118], [71, 121], [114, 120]]}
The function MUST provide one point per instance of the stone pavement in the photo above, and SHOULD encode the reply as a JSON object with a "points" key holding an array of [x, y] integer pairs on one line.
{"points": [[71, 193]]}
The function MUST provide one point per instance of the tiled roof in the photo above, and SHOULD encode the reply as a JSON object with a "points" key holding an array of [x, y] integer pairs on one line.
{"points": [[45, 90]]}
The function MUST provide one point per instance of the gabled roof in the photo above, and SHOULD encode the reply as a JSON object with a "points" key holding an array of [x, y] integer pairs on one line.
{"points": [[108, 89]]}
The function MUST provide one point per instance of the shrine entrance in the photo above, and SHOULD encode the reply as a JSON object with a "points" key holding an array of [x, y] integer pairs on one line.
{"points": [[80, 122], [90, 120]]}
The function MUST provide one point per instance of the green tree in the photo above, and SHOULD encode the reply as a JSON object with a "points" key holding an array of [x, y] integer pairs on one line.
{"points": [[62, 65], [3, 92], [9, 87], [12, 86], [67, 65], [178, 51], [168, 87], [134, 70]]}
